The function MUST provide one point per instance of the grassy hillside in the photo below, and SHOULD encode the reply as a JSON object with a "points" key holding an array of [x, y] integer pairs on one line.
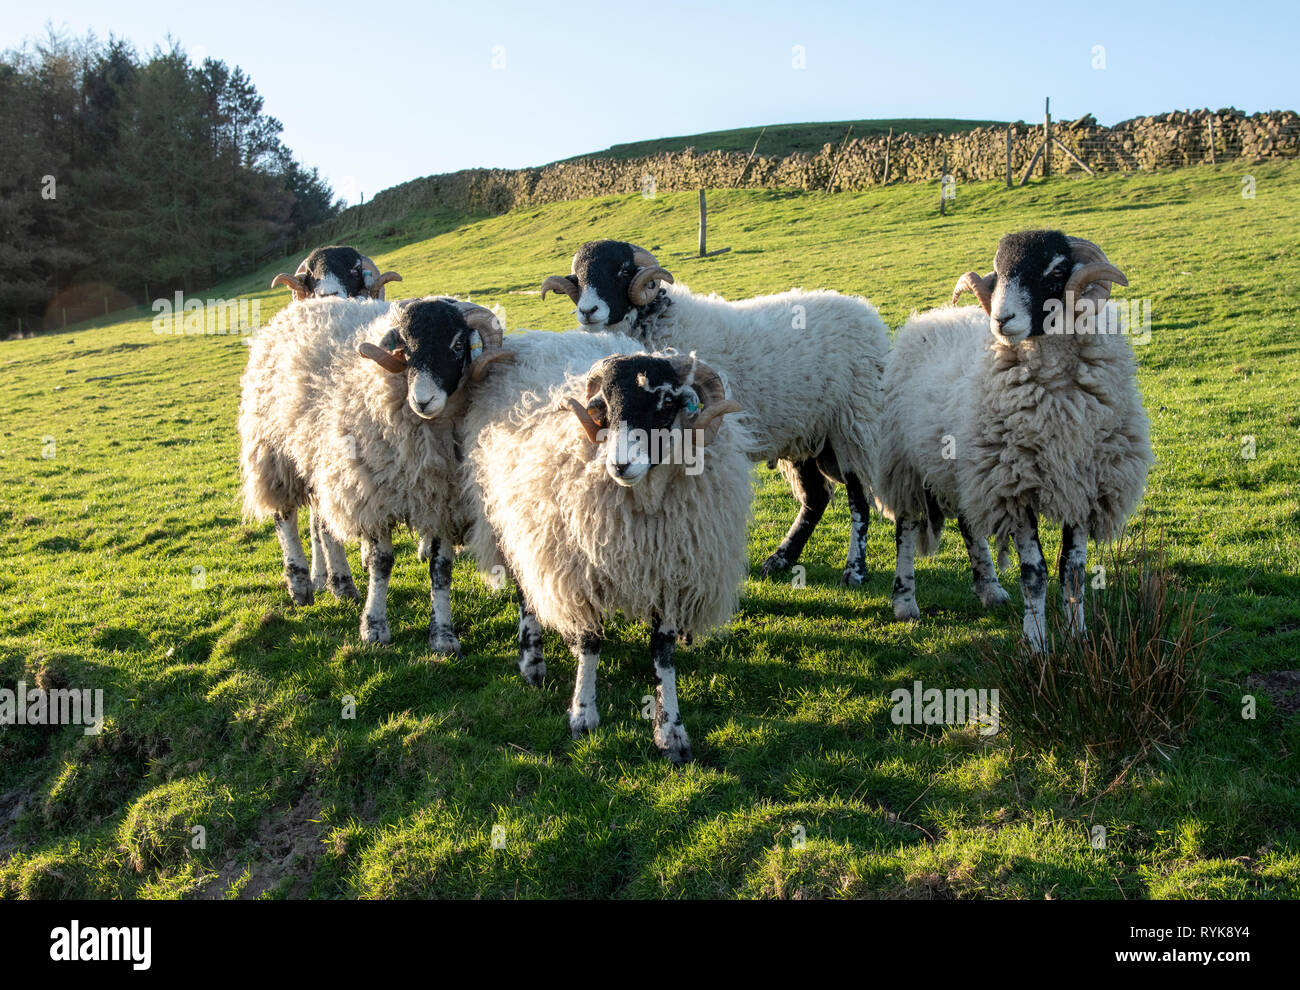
{"points": [[225, 703], [780, 140]]}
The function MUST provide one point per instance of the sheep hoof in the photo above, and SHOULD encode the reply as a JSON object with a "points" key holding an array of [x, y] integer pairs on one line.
{"points": [[445, 643], [343, 589], [993, 595], [1034, 635], [775, 564], [300, 589], [673, 744], [319, 582], [533, 670], [851, 578], [374, 629], [583, 721], [905, 610]]}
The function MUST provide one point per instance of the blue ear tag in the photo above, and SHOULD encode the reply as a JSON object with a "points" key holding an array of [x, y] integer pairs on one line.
{"points": [[691, 403], [475, 345]]}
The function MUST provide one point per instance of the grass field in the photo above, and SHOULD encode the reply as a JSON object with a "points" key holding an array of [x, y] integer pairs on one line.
{"points": [[779, 140], [225, 703]]}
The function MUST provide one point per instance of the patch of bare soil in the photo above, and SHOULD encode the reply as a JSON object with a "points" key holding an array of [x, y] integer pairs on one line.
{"points": [[287, 845], [1282, 688]]}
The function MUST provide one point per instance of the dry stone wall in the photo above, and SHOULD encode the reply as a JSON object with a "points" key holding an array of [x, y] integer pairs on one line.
{"points": [[1171, 140]]}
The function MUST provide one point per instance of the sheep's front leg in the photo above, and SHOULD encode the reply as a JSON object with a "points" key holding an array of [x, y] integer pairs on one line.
{"points": [[337, 569], [670, 735], [319, 568], [814, 493], [855, 570], [296, 569], [531, 662], [374, 617], [1033, 585], [1072, 567], [987, 586], [904, 595], [583, 716], [442, 630]]}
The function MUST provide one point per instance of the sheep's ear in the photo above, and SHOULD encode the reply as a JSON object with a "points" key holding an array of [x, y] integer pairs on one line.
{"points": [[394, 360]]}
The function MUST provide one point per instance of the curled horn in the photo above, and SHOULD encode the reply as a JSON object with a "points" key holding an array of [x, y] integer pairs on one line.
{"points": [[1093, 274], [711, 389], [394, 360], [558, 283], [378, 281], [643, 287], [981, 285], [485, 322], [294, 282], [588, 424]]}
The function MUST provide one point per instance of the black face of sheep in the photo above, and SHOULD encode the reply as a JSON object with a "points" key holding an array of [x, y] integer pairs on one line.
{"points": [[441, 345], [336, 271], [1039, 282], [651, 410], [609, 280]]}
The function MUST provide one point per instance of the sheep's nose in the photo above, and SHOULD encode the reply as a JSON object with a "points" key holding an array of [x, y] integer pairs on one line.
{"points": [[1002, 321], [587, 311]]}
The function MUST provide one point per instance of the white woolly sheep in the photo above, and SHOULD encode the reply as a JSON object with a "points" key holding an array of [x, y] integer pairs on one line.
{"points": [[806, 366], [337, 271], [1039, 419], [361, 400], [616, 490]]}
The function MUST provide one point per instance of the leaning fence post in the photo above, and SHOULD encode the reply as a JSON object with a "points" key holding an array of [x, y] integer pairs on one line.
{"points": [[703, 224], [1047, 138]]}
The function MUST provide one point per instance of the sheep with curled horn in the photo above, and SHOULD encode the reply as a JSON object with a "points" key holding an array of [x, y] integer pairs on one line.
{"points": [[622, 487], [363, 402], [806, 366], [337, 271], [334, 272], [1022, 407]]}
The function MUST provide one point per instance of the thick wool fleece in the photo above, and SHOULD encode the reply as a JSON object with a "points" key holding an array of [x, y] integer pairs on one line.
{"points": [[807, 366], [582, 547], [312, 407], [1001, 434]]}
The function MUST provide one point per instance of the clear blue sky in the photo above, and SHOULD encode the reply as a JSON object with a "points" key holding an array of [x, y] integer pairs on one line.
{"points": [[374, 94]]}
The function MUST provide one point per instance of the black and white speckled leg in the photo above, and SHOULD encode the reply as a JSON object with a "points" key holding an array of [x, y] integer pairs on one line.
{"points": [[813, 491], [374, 617], [1073, 568], [855, 569], [339, 573], [670, 734], [297, 574], [583, 716], [319, 568], [532, 664], [904, 593], [987, 586], [1033, 585], [442, 630]]}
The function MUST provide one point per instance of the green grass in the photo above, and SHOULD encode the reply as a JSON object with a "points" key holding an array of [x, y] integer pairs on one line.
{"points": [[780, 140], [224, 703]]}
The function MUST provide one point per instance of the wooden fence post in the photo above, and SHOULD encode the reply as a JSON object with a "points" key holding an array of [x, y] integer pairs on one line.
{"points": [[703, 224], [888, 141], [1008, 156], [1212, 161], [1047, 138], [943, 188]]}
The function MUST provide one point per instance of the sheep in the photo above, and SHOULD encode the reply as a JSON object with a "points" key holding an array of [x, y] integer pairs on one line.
{"points": [[361, 399], [807, 366], [1040, 416], [638, 507], [337, 271]]}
